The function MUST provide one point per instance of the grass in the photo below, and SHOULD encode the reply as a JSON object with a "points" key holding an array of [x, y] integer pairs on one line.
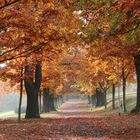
{"points": [[130, 104], [5, 114]]}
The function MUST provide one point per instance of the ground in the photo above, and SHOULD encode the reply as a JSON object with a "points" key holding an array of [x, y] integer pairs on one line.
{"points": [[74, 121]]}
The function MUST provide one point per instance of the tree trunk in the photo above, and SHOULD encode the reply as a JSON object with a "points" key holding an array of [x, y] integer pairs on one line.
{"points": [[51, 103], [100, 98], [93, 100], [113, 96], [32, 90], [45, 100], [137, 66], [55, 102], [89, 101], [59, 100], [21, 90], [40, 106], [124, 89], [105, 99], [62, 101], [32, 110]]}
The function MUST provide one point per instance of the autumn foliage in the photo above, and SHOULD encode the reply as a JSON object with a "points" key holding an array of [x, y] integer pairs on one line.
{"points": [[78, 43]]}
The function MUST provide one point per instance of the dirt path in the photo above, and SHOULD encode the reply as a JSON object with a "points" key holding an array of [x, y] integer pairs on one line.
{"points": [[72, 109]]}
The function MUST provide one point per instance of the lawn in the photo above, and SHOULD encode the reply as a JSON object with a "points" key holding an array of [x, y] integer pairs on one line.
{"points": [[130, 104]]}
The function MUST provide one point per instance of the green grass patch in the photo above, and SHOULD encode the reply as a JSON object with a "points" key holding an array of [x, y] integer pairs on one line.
{"points": [[9, 113], [130, 104]]}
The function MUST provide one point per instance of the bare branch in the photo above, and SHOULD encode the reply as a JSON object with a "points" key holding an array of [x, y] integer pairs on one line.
{"points": [[8, 4], [25, 53], [9, 51]]}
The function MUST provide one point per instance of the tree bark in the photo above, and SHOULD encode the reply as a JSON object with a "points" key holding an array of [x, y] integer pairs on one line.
{"points": [[40, 106], [59, 100], [94, 100], [89, 101], [124, 89], [51, 103], [62, 101], [105, 99], [137, 66], [45, 100], [113, 96], [21, 90], [100, 98], [32, 89], [55, 102]]}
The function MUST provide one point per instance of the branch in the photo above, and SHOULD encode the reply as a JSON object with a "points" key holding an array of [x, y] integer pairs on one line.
{"points": [[101, 86], [106, 87], [25, 53], [9, 51], [131, 29], [127, 75], [8, 4]]}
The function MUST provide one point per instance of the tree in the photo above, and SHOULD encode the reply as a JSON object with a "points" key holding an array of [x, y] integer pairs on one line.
{"points": [[34, 31], [32, 89], [112, 28], [76, 42], [113, 96]]}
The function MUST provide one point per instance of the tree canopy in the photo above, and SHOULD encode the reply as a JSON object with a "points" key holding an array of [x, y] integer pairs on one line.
{"points": [[77, 43]]}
